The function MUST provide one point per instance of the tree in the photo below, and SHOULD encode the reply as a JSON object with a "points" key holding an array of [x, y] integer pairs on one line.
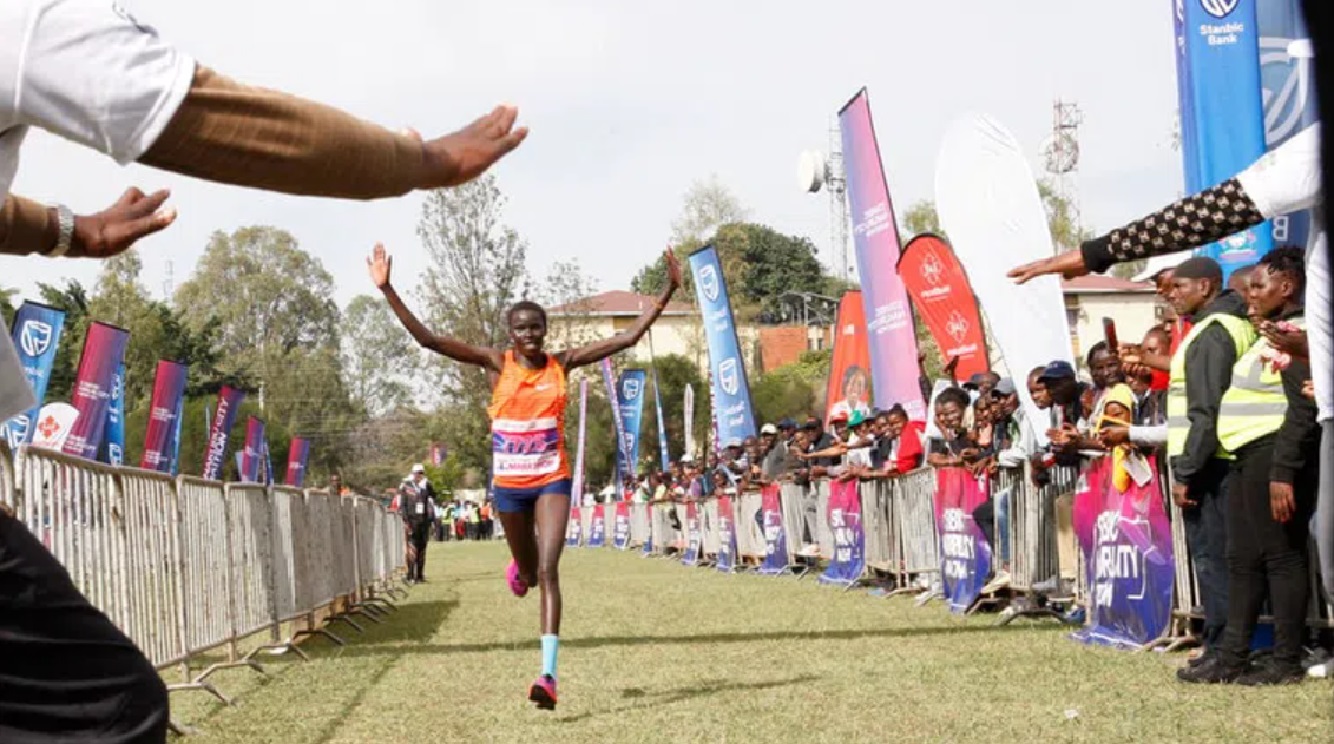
{"points": [[378, 356], [568, 287], [783, 392], [674, 372], [476, 271], [921, 218], [7, 307], [707, 206]]}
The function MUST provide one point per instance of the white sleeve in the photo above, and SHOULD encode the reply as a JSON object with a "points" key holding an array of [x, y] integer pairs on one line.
{"points": [[87, 71], [1287, 178], [1153, 436]]}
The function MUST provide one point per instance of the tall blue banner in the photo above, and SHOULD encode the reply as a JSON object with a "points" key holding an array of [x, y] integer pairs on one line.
{"points": [[1222, 112], [731, 390], [1288, 91], [113, 443], [663, 451], [36, 335], [103, 354], [630, 398], [622, 457]]}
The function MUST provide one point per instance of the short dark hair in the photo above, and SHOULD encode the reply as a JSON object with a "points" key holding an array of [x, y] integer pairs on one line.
{"points": [[897, 410], [1036, 372], [1095, 350], [527, 305], [957, 396], [1290, 260]]}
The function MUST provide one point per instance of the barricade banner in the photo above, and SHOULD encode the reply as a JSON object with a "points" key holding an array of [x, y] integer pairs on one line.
{"points": [[965, 555], [620, 535], [103, 353], [1127, 544], [162, 438], [891, 337], [845, 524], [694, 538], [728, 383], [775, 537], [36, 335], [726, 535], [597, 530], [648, 533], [849, 385], [573, 530], [939, 288]]}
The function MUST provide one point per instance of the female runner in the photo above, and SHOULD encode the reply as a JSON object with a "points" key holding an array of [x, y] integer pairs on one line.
{"points": [[530, 470]]}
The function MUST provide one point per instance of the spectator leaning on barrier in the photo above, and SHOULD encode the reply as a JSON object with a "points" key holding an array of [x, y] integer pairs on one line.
{"points": [[1270, 428]]}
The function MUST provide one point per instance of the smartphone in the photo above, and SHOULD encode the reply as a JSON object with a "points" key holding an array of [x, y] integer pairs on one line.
{"points": [[1109, 331]]}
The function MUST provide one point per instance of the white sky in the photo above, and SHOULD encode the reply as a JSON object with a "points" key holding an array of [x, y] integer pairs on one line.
{"points": [[630, 102]]}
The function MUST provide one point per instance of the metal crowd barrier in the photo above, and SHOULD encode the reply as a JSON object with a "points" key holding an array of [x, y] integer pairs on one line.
{"points": [[747, 526], [184, 566]]}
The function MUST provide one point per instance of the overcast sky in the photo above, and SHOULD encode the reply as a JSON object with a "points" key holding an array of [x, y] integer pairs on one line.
{"points": [[630, 102]]}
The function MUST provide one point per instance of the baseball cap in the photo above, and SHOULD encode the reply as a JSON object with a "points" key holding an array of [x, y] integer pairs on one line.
{"points": [[1004, 387], [768, 429], [787, 424], [1056, 370], [734, 443], [419, 468], [840, 416], [857, 418], [975, 381]]}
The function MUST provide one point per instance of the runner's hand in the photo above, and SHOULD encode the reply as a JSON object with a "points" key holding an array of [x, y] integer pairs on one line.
{"points": [[461, 156], [673, 269], [379, 265], [1068, 265]]}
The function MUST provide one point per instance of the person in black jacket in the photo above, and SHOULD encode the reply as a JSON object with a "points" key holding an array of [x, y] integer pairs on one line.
{"points": [[418, 510], [1271, 489]]}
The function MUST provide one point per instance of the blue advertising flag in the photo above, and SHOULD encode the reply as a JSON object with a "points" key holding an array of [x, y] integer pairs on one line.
{"points": [[630, 398], [174, 444], [618, 426], [730, 388], [36, 334], [113, 444], [1287, 88], [665, 453], [1222, 112]]}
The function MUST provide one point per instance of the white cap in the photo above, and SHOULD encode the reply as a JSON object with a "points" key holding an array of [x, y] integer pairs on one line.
{"points": [[1159, 264], [419, 468], [768, 429]]}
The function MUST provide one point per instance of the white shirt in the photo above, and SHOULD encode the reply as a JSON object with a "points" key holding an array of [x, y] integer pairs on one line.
{"points": [[86, 71], [1287, 179]]}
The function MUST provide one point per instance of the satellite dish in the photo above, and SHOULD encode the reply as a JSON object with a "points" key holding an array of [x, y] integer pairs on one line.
{"points": [[811, 171]]}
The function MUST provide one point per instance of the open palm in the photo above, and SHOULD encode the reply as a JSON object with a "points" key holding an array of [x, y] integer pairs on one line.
{"points": [[379, 264]]}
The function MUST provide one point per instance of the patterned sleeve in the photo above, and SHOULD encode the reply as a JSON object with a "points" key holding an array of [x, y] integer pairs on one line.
{"points": [[1206, 217]]}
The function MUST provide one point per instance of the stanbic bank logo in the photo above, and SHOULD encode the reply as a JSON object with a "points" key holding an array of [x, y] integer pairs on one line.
{"points": [[35, 338], [708, 282], [1219, 8], [729, 376]]}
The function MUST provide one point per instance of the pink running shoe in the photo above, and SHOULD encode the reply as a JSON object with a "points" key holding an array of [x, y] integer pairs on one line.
{"points": [[516, 582], [543, 692]]}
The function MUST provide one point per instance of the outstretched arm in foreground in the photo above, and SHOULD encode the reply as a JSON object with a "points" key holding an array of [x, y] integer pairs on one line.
{"points": [[598, 350], [380, 264]]}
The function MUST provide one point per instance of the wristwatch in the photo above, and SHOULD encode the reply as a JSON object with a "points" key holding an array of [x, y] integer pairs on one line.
{"points": [[65, 219]]}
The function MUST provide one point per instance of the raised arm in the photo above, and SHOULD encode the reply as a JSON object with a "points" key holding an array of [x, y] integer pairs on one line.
{"points": [[598, 350], [380, 263]]}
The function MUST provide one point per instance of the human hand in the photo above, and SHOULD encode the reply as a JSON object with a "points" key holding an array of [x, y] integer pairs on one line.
{"points": [[1308, 390], [115, 229], [379, 265], [1068, 265], [1282, 502], [461, 156], [1181, 496], [1286, 338], [673, 270], [1113, 436]]}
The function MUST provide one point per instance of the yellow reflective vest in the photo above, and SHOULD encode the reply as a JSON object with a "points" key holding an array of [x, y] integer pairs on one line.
{"points": [[1255, 404], [1178, 423]]}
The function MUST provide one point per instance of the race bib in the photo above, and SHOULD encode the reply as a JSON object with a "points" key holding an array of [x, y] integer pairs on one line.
{"points": [[525, 448]]}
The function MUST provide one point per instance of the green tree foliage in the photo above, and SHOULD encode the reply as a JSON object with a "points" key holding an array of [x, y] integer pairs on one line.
{"points": [[8, 305], [921, 218], [785, 391], [674, 372], [379, 358]]}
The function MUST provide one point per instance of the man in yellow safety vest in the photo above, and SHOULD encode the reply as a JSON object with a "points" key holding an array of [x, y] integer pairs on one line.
{"points": [[1270, 428], [1201, 371]]}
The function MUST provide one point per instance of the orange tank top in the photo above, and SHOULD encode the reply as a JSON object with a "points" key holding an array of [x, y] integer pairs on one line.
{"points": [[528, 425]]}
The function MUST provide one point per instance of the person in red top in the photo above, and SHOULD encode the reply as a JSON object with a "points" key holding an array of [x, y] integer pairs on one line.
{"points": [[530, 469]]}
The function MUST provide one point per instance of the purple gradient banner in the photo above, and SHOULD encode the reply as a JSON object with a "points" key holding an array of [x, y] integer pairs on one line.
{"points": [[775, 538], [253, 451], [229, 400], [103, 354], [597, 527], [889, 320], [298, 454], [845, 522], [1127, 544], [965, 554]]}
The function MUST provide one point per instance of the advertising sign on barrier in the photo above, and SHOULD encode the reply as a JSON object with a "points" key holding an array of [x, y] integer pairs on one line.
{"points": [[648, 534], [845, 524], [597, 531], [693, 537], [1127, 545], [573, 533], [775, 538], [965, 555], [726, 535], [620, 534]]}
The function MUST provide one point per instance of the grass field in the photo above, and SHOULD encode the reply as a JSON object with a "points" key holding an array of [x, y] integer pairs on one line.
{"points": [[654, 652]]}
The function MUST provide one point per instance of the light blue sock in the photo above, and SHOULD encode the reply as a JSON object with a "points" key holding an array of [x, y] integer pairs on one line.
{"points": [[549, 645]]}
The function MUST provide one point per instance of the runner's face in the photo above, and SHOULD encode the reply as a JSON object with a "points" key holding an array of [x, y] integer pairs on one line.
{"points": [[528, 332]]}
